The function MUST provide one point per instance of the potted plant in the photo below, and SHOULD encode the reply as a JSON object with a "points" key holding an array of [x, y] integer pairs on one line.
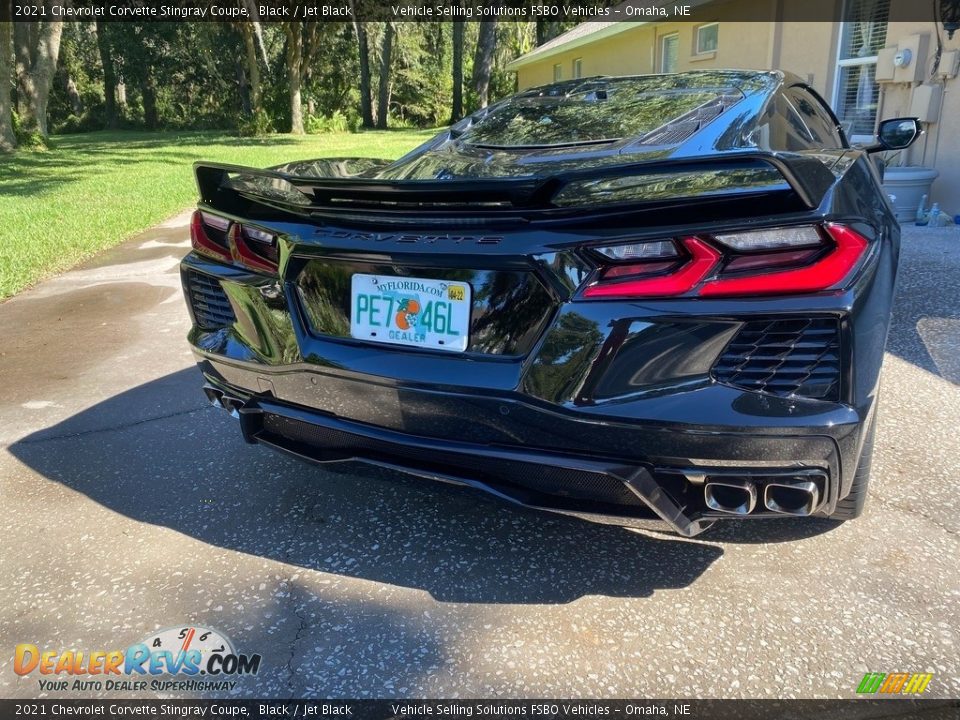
{"points": [[906, 184]]}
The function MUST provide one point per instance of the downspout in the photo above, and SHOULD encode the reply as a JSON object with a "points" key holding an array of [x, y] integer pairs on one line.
{"points": [[776, 36]]}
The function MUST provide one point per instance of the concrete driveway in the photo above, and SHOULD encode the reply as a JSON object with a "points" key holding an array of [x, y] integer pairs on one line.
{"points": [[129, 506]]}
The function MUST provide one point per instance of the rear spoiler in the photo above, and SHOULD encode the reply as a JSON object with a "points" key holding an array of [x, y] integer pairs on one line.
{"points": [[246, 192]]}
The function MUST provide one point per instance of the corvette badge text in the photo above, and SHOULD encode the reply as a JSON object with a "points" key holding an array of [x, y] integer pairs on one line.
{"points": [[187, 651]]}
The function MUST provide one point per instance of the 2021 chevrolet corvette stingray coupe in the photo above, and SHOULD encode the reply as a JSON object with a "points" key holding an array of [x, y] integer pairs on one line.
{"points": [[630, 299]]}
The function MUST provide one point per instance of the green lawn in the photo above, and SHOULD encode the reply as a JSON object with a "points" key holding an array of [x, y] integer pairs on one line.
{"points": [[92, 191]]}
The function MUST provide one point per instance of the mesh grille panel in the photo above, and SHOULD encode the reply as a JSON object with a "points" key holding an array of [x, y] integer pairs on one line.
{"points": [[532, 476], [681, 128], [784, 357], [211, 307]]}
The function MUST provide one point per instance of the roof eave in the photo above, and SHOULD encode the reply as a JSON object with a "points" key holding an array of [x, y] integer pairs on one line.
{"points": [[615, 28]]}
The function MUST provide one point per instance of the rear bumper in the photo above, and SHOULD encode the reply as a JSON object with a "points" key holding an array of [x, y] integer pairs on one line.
{"points": [[603, 469]]}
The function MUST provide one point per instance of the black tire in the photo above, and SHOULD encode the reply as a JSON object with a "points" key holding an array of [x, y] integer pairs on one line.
{"points": [[852, 505]]}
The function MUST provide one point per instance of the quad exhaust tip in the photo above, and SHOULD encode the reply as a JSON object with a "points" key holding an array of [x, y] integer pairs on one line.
{"points": [[792, 498], [737, 497], [740, 496]]}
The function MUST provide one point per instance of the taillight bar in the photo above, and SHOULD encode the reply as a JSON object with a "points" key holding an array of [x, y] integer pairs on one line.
{"points": [[703, 258], [830, 270], [202, 241], [221, 239], [245, 255], [794, 260]]}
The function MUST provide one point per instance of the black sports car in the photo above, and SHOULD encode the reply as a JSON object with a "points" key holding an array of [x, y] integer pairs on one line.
{"points": [[623, 298]]}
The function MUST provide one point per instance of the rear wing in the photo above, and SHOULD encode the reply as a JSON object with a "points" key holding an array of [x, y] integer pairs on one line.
{"points": [[795, 182]]}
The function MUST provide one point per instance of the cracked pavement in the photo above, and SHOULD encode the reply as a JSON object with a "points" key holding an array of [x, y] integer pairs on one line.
{"points": [[130, 506]]}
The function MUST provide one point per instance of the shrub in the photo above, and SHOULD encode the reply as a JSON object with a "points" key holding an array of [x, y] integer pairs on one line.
{"points": [[353, 120], [89, 121], [255, 125], [336, 122]]}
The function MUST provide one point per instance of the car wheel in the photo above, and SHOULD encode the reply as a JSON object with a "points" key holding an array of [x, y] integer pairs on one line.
{"points": [[852, 505]]}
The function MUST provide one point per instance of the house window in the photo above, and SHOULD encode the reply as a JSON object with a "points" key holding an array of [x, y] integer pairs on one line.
{"points": [[669, 51], [862, 34], [578, 68], [708, 37], [557, 72]]}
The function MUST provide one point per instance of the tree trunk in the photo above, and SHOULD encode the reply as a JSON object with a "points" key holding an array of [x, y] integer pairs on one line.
{"points": [[254, 13], [39, 61], [483, 61], [22, 42], [294, 56], [73, 95], [366, 103], [8, 141], [109, 77], [457, 110], [148, 89], [252, 67], [383, 97], [244, 84]]}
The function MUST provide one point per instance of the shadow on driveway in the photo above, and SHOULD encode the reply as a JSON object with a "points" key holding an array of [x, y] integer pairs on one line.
{"points": [[158, 456], [925, 328]]}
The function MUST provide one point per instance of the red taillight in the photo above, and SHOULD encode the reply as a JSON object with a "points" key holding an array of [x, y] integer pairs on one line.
{"points": [[826, 272], [780, 261], [203, 240], [251, 251], [217, 237], [703, 258]]}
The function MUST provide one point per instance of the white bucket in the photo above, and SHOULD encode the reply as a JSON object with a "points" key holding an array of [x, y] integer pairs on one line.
{"points": [[908, 185]]}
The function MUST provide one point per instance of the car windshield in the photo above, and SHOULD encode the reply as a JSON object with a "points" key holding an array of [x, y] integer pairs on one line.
{"points": [[594, 112]]}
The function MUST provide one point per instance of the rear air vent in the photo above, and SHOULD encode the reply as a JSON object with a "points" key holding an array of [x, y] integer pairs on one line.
{"points": [[784, 358], [681, 128], [211, 308]]}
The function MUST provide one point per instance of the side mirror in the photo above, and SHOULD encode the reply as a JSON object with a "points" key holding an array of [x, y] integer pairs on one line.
{"points": [[896, 134]]}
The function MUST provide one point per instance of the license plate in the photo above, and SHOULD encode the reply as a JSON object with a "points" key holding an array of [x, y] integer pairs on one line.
{"points": [[415, 312]]}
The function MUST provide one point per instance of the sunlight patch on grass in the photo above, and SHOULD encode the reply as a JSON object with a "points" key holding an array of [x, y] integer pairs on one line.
{"points": [[92, 191]]}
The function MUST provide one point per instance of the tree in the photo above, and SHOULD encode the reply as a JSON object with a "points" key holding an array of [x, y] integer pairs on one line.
{"points": [[148, 93], [251, 67], [252, 33], [383, 96], [294, 75], [363, 47], [303, 39], [144, 55], [8, 141], [176, 74], [420, 78], [69, 80], [549, 29], [457, 109], [37, 46], [483, 61]]}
